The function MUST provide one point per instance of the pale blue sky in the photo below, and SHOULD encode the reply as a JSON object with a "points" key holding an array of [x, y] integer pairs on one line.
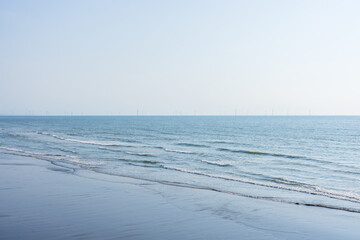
{"points": [[180, 57]]}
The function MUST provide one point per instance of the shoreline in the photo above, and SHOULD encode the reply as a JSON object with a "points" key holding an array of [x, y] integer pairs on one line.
{"points": [[42, 200]]}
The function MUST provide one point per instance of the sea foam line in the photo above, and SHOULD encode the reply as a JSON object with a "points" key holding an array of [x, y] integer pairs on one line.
{"points": [[340, 195], [48, 156], [193, 186]]}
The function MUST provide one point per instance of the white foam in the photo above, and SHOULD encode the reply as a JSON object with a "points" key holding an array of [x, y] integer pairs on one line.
{"points": [[12, 149]]}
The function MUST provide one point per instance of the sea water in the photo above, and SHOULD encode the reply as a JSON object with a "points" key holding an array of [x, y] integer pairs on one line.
{"points": [[311, 161]]}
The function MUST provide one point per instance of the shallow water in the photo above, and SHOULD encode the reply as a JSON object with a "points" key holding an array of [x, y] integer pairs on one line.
{"points": [[312, 161]]}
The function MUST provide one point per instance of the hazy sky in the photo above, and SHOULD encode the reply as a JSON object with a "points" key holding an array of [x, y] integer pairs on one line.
{"points": [[180, 57]]}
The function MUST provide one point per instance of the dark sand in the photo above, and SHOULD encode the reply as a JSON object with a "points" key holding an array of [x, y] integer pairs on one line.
{"points": [[39, 200]]}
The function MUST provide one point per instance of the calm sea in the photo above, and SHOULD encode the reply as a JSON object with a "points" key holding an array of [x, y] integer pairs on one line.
{"points": [[314, 161]]}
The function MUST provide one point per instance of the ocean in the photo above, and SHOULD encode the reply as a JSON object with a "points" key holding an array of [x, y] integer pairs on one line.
{"points": [[304, 160]]}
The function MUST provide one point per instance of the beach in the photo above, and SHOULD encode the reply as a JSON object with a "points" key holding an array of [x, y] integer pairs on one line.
{"points": [[40, 200], [148, 120]]}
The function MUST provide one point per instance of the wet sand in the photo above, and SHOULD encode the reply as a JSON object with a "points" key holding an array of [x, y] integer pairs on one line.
{"points": [[40, 200]]}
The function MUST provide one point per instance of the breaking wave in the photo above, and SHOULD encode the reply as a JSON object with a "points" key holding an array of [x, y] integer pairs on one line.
{"points": [[221, 164]]}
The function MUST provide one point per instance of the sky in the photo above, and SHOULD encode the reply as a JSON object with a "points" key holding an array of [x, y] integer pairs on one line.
{"points": [[180, 57]]}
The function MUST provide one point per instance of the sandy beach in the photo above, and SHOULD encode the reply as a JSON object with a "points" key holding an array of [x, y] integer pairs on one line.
{"points": [[151, 120], [40, 200]]}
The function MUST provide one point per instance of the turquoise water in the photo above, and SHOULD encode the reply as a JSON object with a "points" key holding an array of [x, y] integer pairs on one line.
{"points": [[313, 161]]}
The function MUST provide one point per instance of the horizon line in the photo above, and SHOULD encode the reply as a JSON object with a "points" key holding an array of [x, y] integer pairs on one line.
{"points": [[182, 115]]}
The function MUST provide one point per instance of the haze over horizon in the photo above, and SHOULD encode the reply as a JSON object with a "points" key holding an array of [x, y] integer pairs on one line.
{"points": [[179, 57]]}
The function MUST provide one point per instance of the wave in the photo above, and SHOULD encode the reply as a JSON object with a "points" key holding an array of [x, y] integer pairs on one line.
{"points": [[49, 156], [68, 150], [357, 173], [221, 164], [92, 142], [49, 134], [137, 161], [291, 182], [11, 149], [17, 135], [258, 153], [110, 149], [192, 145], [301, 164], [140, 154], [316, 190], [176, 151], [194, 186], [100, 143], [125, 140], [224, 142]]}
